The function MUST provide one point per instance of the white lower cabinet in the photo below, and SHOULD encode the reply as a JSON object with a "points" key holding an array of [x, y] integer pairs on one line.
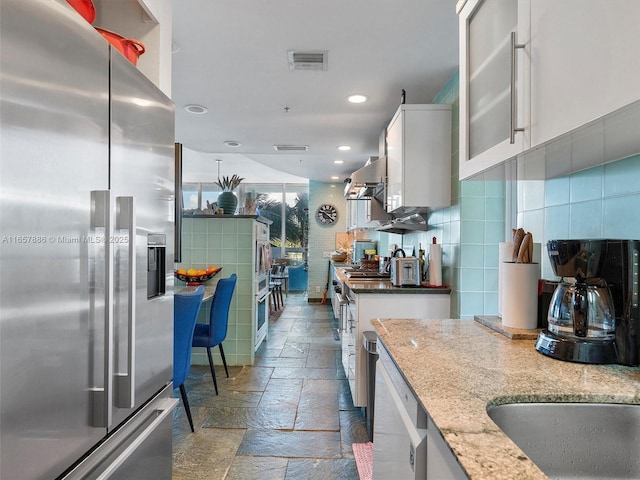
{"points": [[363, 308], [441, 463], [332, 294], [407, 444], [400, 428]]}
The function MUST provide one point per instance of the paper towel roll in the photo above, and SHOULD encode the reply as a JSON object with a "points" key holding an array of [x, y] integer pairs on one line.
{"points": [[435, 264], [520, 295]]}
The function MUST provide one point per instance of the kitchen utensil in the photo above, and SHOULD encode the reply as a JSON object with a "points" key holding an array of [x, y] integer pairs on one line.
{"points": [[131, 49], [384, 265]]}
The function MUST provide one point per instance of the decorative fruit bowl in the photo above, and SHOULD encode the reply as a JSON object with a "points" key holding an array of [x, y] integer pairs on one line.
{"points": [[196, 277]]}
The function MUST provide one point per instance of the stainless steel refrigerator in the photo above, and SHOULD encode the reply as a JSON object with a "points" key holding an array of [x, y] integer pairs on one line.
{"points": [[86, 250]]}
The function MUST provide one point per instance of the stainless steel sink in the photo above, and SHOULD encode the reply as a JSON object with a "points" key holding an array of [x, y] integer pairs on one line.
{"points": [[575, 440]]}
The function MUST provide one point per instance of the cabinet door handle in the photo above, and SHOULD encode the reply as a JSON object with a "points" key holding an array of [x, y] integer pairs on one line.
{"points": [[514, 65]]}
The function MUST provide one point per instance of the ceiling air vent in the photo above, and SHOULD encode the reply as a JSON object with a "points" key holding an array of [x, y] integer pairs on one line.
{"points": [[309, 60], [291, 148]]}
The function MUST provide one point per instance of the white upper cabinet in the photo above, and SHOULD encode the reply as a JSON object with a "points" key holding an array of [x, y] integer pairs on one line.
{"points": [[148, 21], [419, 157], [535, 70], [364, 213], [585, 62], [356, 214], [494, 82]]}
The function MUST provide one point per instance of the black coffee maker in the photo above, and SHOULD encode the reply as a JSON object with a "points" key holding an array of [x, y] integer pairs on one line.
{"points": [[594, 314]]}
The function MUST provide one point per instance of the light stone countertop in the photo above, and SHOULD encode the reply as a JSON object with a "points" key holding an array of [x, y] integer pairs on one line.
{"points": [[459, 367]]}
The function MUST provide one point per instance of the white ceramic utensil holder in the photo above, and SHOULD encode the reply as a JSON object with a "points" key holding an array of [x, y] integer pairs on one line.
{"points": [[520, 295], [505, 254]]}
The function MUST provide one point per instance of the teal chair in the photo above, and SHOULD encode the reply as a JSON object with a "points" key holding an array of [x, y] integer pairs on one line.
{"points": [[210, 334], [186, 307]]}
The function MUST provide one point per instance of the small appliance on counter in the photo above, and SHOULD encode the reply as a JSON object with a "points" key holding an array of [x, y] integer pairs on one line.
{"points": [[405, 272], [384, 265], [358, 248], [594, 315]]}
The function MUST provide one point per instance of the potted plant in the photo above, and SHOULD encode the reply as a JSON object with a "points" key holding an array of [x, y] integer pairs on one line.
{"points": [[228, 200]]}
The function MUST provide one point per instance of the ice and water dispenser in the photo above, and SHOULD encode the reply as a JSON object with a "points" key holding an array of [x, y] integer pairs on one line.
{"points": [[156, 264]]}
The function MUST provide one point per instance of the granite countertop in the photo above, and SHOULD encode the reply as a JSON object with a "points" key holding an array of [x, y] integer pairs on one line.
{"points": [[384, 286], [458, 367]]}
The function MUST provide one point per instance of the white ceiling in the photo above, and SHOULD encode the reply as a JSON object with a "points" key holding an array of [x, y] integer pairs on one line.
{"points": [[232, 58]]}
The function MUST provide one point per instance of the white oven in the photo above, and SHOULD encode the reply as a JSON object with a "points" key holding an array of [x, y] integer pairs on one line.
{"points": [[263, 266], [263, 249], [262, 308]]}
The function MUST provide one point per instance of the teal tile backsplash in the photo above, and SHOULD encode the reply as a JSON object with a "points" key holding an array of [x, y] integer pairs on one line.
{"points": [[586, 185], [600, 202], [622, 178]]}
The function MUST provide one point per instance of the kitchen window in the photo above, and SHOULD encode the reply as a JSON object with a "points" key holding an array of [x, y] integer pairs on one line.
{"points": [[291, 203]]}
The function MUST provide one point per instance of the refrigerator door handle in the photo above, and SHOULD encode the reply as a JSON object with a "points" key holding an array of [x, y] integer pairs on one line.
{"points": [[178, 204], [126, 220], [102, 384]]}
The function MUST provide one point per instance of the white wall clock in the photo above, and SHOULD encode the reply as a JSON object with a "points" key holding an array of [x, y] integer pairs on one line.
{"points": [[327, 214]]}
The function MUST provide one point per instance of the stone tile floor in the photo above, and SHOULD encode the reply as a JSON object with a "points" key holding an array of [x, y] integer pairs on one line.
{"points": [[289, 416]]}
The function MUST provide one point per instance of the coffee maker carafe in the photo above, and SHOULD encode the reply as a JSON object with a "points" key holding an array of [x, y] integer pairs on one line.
{"points": [[593, 315]]}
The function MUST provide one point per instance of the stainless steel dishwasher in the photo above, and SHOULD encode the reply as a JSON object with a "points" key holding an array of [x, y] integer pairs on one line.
{"points": [[370, 343], [400, 429]]}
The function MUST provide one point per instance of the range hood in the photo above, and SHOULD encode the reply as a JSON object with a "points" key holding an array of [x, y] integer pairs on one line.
{"points": [[367, 181], [415, 222]]}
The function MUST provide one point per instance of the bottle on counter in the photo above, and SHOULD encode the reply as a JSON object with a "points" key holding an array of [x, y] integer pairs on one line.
{"points": [[435, 263]]}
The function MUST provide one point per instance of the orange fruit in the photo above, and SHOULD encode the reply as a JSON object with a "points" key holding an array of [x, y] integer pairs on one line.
{"points": [[192, 272], [202, 272], [182, 271], [211, 269]]}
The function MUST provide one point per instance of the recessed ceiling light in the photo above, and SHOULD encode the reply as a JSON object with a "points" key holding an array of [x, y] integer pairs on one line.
{"points": [[344, 148], [338, 161], [357, 98], [232, 143], [196, 109], [335, 177]]}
